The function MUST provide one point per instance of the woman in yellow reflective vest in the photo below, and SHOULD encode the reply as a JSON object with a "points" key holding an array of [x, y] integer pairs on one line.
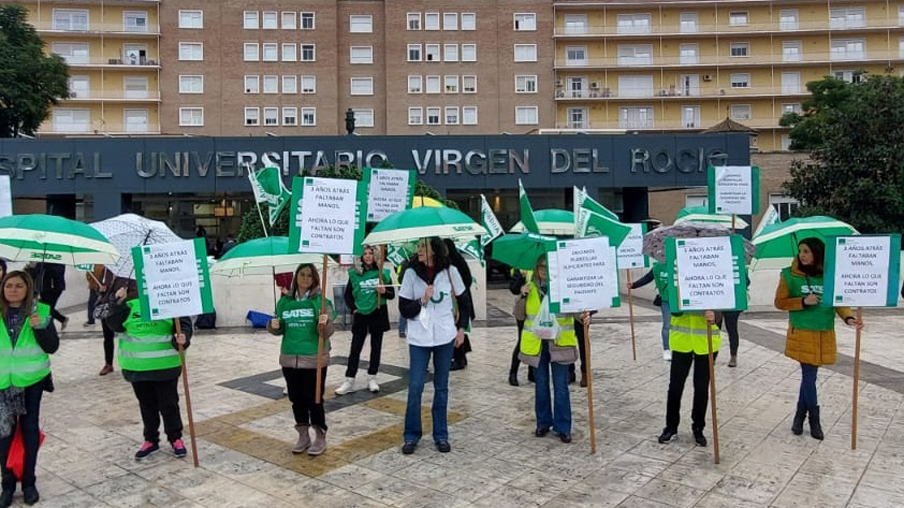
{"points": [[26, 339], [545, 355], [148, 356]]}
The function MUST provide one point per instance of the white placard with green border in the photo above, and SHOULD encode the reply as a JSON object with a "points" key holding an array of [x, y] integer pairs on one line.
{"points": [[706, 273], [327, 216], [388, 191], [862, 271], [734, 190], [6, 196], [630, 252], [583, 275], [173, 279]]}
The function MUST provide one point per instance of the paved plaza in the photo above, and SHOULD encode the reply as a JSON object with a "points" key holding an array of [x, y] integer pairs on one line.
{"points": [[245, 429]]}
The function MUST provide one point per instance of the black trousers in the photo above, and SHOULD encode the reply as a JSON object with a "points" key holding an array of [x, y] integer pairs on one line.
{"points": [[301, 384], [515, 361], [29, 422], [51, 298], [92, 303], [361, 326], [680, 368], [731, 325], [582, 348], [156, 399], [108, 342]]}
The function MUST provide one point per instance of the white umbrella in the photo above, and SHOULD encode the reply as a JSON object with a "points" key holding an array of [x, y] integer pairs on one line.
{"points": [[129, 230]]}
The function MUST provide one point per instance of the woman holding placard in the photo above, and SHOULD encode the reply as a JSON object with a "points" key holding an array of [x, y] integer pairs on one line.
{"points": [[811, 329], [549, 343], [300, 322], [435, 327]]}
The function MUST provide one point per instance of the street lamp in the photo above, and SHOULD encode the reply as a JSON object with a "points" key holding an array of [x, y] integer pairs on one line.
{"points": [[350, 121]]}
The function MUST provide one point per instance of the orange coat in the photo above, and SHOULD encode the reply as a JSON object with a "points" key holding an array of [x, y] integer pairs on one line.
{"points": [[807, 346]]}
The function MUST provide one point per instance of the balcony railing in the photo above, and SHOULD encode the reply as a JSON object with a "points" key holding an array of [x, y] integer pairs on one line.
{"points": [[716, 29], [93, 28], [713, 60], [667, 125], [114, 95], [674, 91], [96, 61]]}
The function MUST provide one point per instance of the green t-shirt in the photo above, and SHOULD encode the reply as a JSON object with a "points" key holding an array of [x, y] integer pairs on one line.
{"points": [[364, 289], [661, 278], [299, 317]]}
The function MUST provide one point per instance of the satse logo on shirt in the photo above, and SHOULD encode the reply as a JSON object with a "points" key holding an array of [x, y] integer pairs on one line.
{"points": [[298, 313]]}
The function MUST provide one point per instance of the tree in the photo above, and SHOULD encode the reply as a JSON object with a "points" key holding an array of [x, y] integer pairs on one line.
{"points": [[30, 81], [856, 167]]}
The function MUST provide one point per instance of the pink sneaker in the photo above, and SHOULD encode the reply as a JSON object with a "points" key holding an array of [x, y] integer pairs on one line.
{"points": [[179, 448], [146, 449]]}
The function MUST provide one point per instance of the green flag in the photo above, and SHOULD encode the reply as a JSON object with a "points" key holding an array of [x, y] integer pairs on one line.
{"points": [[471, 248], [583, 200], [593, 224], [269, 188], [770, 217], [527, 213], [489, 221]]}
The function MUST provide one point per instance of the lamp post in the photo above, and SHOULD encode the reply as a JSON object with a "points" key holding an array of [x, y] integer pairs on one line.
{"points": [[350, 121]]}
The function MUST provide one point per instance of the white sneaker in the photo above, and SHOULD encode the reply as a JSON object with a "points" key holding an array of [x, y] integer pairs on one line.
{"points": [[285, 391], [347, 386], [667, 355], [372, 384]]}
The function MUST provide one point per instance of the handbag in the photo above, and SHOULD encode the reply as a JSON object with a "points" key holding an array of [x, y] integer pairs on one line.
{"points": [[519, 310], [104, 306], [454, 299]]}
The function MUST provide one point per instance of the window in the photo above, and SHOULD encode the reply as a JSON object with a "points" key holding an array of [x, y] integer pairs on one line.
{"points": [[70, 19], [849, 17], [450, 52], [309, 117], [790, 82], [525, 52], [635, 23], [364, 117], [290, 84], [739, 49], [269, 20], [431, 21], [468, 21], [687, 53], [786, 142], [289, 52], [469, 84], [527, 115], [71, 120], [740, 80], [191, 84], [309, 84], [289, 22], [637, 117], [252, 84], [251, 20], [72, 52], [271, 84], [135, 120], [414, 21], [738, 18], [575, 24], [191, 19], [690, 117], [577, 86], [362, 86], [361, 55], [307, 20], [526, 84], [848, 76], [135, 21], [635, 86], [740, 112], [431, 53], [695, 200], [525, 22], [452, 115], [252, 117], [433, 116], [191, 117], [252, 52], [791, 51], [788, 19], [901, 47], [636, 54], [901, 15], [576, 55], [850, 49], [450, 84], [191, 51], [307, 53], [360, 24], [414, 52], [289, 117], [79, 87], [271, 117], [450, 21], [784, 205], [469, 52], [469, 115], [791, 107], [687, 22], [578, 118], [415, 116], [271, 52], [432, 84], [415, 84]]}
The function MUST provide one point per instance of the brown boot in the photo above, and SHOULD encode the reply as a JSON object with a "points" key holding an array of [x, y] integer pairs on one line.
{"points": [[304, 439], [319, 444]]}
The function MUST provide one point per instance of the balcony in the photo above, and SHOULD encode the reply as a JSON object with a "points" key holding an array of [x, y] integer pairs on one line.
{"points": [[119, 29], [87, 62], [665, 125], [700, 30], [636, 61], [114, 95], [677, 92]]}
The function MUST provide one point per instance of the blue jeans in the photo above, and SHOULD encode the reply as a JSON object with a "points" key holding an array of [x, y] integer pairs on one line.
{"points": [[557, 415], [666, 322], [417, 375], [403, 324], [808, 384]]}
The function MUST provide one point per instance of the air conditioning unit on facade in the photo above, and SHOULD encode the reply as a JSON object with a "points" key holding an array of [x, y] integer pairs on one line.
{"points": [[595, 85], [707, 77], [560, 82]]}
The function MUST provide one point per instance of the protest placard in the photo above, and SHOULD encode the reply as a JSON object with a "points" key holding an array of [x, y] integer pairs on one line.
{"points": [[173, 279], [706, 273], [388, 191], [734, 190], [583, 275], [327, 216], [862, 271], [630, 252]]}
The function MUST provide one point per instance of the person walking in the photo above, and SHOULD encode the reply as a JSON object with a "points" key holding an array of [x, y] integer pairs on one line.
{"points": [[553, 355], [811, 329], [361, 293], [428, 287], [300, 322], [689, 346], [131, 287], [149, 359], [27, 338], [51, 281], [94, 278], [460, 354], [659, 274], [519, 286]]}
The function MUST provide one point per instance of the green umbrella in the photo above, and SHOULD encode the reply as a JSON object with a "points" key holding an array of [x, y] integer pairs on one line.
{"points": [[701, 214], [426, 221], [778, 242], [55, 240], [521, 250], [551, 222], [262, 256]]}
